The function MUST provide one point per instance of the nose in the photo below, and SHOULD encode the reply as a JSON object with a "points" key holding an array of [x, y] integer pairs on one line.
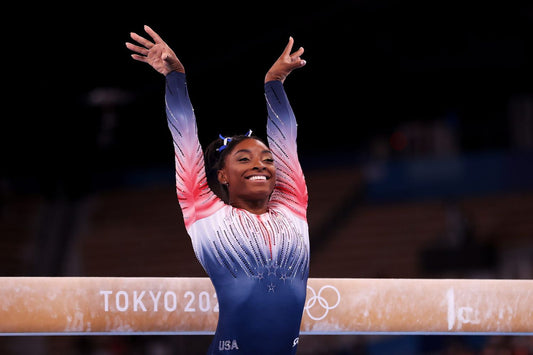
{"points": [[259, 164]]}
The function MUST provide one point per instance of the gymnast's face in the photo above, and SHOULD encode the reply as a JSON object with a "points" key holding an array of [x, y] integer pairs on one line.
{"points": [[249, 174]]}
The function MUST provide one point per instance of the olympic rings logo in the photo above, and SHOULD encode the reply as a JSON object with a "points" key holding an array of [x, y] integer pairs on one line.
{"points": [[322, 302]]}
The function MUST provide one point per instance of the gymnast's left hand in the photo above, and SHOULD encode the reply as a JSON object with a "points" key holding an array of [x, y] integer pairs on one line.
{"points": [[286, 63], [157, 53]]}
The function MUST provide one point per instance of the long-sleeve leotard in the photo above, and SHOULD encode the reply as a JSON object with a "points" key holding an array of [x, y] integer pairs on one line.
{"points": [[196, 200], [259, 264]]}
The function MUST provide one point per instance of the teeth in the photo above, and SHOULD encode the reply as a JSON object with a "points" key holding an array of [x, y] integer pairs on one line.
{"points": [[258, 178]]}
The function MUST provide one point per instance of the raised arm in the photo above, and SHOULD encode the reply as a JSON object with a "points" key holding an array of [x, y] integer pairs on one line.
{"points": [[194, 195], [290, 190]]}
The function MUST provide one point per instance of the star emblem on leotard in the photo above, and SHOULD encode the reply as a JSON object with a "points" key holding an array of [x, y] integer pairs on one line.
{"points": [[271, 269], [271, 287]]}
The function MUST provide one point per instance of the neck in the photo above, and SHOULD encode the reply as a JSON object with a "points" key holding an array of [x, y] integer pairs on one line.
{"points": [[253, 206]]}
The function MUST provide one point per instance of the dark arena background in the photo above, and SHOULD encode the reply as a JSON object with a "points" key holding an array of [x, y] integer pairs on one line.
{"points": [[415, 136]]}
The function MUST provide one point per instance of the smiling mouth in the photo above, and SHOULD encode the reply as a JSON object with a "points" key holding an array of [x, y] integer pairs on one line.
{"points": [[258, 178]]}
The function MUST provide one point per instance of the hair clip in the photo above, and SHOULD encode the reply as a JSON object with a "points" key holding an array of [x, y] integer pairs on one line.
{"points": [[225, 144], [226, 140]]}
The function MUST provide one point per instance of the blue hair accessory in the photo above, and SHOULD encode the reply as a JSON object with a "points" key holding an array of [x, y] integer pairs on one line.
{"points": [[226, 140]]}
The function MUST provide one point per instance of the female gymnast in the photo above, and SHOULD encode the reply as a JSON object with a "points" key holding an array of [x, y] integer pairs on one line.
{"points": [[244, 206]]}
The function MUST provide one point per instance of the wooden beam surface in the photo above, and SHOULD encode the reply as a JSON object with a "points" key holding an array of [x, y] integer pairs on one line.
{"points": [[107, 305]]}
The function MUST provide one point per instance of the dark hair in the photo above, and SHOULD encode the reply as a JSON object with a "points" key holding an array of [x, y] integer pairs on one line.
{"points": [[215, 159]]}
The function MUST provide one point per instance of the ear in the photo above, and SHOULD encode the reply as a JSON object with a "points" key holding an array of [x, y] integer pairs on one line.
{"points": [[222, 178]]}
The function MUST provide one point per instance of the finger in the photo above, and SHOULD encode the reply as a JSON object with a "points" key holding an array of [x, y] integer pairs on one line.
{"points": [[298, 53], [137, 49], [288, 47], [153, 34], [141, 40], [166, 57], [140, 58], [298, 63]]}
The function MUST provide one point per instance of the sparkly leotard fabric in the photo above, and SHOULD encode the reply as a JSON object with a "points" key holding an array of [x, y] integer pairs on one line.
{"points": [[259, 264]]}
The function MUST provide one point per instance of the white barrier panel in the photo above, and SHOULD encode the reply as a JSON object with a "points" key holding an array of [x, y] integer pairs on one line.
{"points": [[95, 305]]}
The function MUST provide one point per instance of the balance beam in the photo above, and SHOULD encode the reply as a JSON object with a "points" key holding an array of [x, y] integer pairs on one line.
{"points": [[148, 306]]}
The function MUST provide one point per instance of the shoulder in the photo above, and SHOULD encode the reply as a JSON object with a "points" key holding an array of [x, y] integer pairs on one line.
{"points": [[280, 211]]}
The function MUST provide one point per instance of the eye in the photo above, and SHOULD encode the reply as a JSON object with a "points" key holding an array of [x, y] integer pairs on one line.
{"points": [[269, 160], [243, 159]]}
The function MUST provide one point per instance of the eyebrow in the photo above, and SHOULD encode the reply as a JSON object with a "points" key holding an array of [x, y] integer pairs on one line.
{"points": [[266, 151]]}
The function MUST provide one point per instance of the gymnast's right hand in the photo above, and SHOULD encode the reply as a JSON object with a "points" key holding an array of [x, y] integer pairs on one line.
{"points": [[157, 53]]}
